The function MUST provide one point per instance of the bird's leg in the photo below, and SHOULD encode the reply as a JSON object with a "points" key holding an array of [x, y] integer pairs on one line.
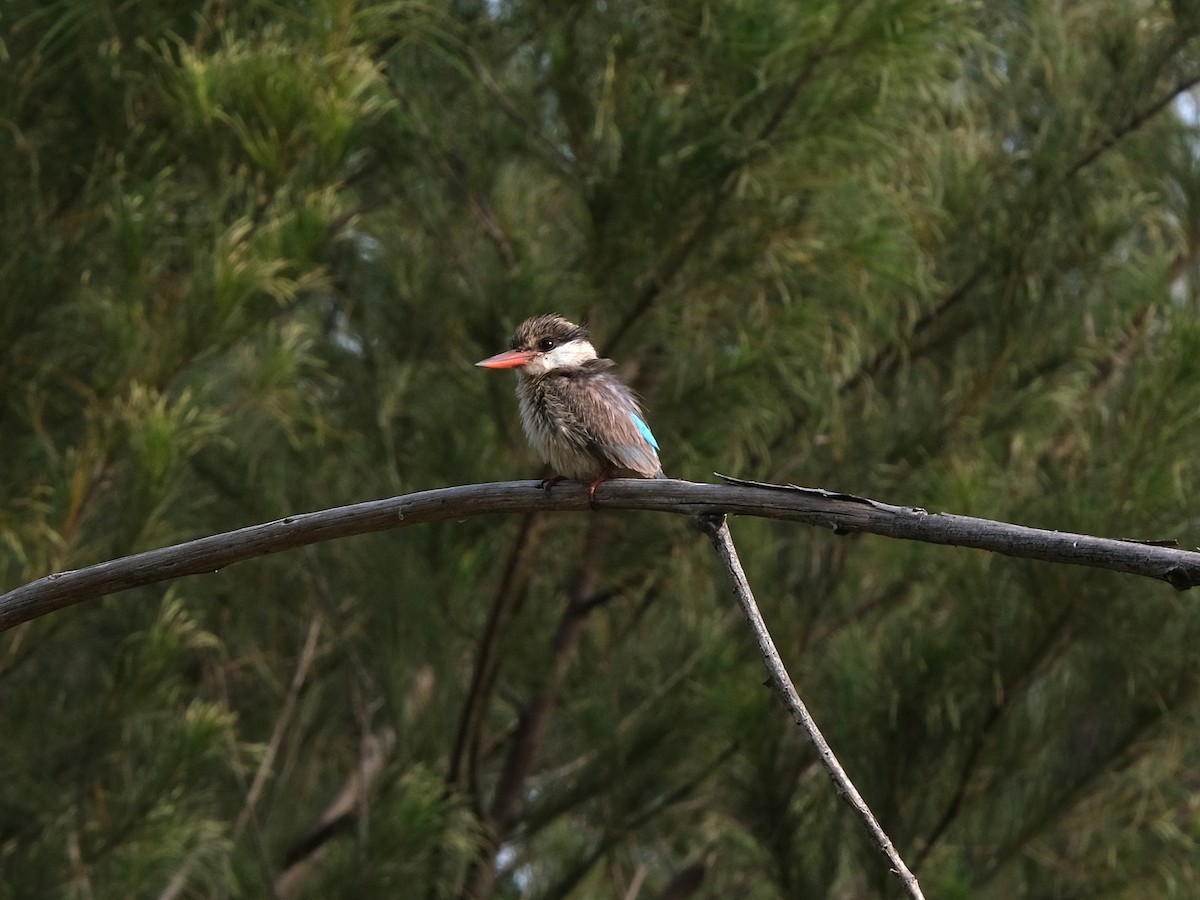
{"points": [[604, 475], [548, 483]]}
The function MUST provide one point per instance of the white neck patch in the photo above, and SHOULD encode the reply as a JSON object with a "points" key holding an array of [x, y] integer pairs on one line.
{"points": [[564, 356]]}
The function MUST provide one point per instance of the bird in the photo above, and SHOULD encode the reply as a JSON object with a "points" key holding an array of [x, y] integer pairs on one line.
{"points": [[583, 421]]}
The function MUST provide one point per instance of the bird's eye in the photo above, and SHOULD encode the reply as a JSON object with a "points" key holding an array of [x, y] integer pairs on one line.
{"points": [[546, 345]]}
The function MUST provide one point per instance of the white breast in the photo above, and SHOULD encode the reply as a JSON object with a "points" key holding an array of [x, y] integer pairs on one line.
{"points": [[552, 442]]}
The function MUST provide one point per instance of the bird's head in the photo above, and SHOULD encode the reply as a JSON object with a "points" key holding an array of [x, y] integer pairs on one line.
{"points": [[543, 344]]}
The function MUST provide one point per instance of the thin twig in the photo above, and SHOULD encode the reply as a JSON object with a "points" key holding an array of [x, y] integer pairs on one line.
{"points": [[718, 531], [179, 880], [307, 654], [310, 851]]}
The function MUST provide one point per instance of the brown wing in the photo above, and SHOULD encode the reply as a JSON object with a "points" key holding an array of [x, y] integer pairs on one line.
{"points": [[610, 421]]}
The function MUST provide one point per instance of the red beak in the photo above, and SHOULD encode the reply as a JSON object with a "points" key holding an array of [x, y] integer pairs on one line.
{"points": [[509, 359]]}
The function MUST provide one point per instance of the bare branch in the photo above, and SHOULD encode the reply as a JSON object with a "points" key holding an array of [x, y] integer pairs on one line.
{"points": [[844, 513], [718, 531]]}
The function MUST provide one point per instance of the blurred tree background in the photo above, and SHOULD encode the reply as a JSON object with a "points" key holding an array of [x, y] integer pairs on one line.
{"points": [[937, 252]]}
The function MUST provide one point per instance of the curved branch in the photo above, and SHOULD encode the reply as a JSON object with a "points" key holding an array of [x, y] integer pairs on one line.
{"points": [[844, 513]]}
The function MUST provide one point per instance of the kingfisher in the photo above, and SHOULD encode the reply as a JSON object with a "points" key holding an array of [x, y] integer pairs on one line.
{"points": [[580, 418]]}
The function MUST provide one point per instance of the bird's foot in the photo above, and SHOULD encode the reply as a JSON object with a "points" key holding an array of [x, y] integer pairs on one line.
{"points": [[548, 483], [596, 482]]}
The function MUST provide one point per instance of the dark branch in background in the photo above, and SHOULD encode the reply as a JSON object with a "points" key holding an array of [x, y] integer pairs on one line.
{"points": [[534, 716], [450, 170], [516, 576], [1009, 693], [302, 858], [691, 877], [718, 532], [664, 272], [844, 513], [885, 359], [551, 152], [1132, 123]]}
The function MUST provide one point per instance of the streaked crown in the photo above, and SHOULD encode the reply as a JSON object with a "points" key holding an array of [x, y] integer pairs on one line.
{"points": [[544, 333]]}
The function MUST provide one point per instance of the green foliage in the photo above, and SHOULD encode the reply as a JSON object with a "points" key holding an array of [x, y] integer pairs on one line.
{"points": [[936, 252]]}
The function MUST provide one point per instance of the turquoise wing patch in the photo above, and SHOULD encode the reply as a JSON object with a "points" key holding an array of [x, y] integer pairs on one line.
{"points": [[645, 430]]}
